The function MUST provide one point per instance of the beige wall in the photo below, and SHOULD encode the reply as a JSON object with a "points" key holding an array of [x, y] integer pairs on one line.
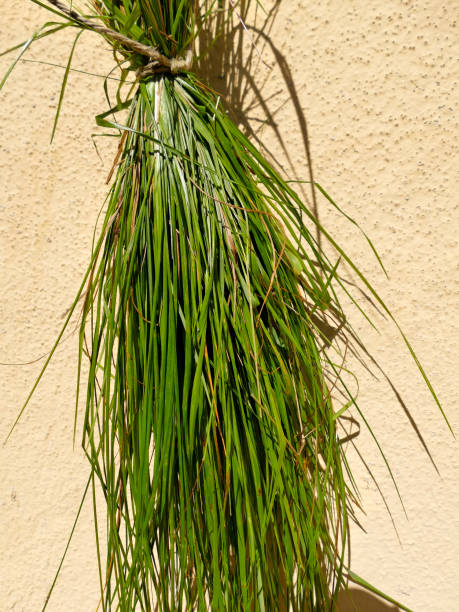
{"points": [[378, 85]]}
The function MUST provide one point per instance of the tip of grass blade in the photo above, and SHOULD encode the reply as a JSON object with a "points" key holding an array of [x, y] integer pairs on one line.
{"points": [[356, 579], [64, 84]]}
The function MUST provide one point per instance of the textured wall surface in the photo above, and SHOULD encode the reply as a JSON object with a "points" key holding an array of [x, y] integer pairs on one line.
{"points": [[376, 85]]}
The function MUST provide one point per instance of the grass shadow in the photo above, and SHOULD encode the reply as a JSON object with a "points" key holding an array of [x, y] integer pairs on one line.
{"points": [[237, 59], [357, 600]]}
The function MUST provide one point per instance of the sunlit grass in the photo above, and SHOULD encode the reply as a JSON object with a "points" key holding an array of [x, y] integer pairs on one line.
{"points": [[209, 420]]}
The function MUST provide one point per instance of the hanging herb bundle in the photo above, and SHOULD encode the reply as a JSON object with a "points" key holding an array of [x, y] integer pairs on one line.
{"points": [[209, 422]]}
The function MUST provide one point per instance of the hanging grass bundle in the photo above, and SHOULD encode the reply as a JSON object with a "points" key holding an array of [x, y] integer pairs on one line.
{"points": [[207, 314]]}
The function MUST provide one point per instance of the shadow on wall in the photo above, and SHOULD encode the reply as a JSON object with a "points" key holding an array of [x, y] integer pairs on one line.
{"points": [[229, 58], [357, 600], [231, 54]]}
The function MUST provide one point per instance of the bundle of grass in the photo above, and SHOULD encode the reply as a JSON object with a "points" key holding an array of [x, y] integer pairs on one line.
{"points": [[209, 421]]}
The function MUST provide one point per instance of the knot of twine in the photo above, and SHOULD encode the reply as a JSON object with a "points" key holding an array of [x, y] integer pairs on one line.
{"points": [[159, 62], [173, 65]]}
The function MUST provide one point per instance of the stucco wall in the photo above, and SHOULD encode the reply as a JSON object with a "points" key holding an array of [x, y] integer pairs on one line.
{"points": [[376, 84]]}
